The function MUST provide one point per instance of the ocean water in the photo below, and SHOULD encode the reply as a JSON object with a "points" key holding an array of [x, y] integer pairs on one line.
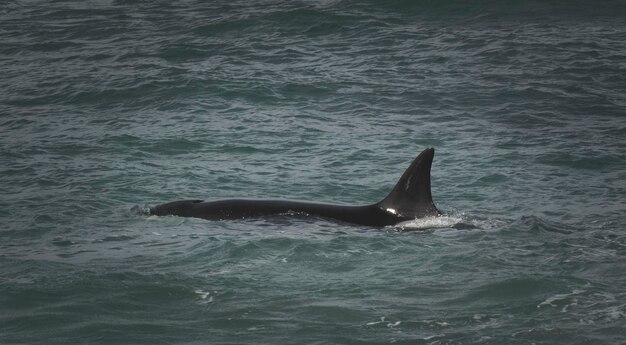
{"points": [[109, 107]]}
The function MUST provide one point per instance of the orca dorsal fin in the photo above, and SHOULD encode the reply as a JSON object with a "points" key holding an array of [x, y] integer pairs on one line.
{"points": [[411, 197]]}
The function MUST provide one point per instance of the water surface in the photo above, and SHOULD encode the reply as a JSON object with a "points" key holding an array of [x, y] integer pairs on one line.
{"points": [[109, 107]]}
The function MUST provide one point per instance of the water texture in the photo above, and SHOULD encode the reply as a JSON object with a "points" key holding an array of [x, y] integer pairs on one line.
{"points": [[109, 107]]}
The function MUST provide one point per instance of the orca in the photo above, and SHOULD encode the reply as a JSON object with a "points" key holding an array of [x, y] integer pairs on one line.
{"points": [[410, 199]]}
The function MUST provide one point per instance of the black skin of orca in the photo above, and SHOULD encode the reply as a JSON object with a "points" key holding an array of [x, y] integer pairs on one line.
{"points": [[410, 199]]}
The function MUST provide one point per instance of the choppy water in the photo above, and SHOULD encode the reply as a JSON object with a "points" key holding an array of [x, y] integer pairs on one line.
{"points": [[108, 107]]}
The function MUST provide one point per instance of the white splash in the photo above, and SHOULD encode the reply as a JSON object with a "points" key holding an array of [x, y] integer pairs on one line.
{"points": [[555, 300], [383, 321], [429, 223], [205, 296], [395, 324]]}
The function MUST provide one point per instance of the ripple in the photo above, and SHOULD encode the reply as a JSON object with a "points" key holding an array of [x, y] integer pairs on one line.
{"points": [[110, 106]]}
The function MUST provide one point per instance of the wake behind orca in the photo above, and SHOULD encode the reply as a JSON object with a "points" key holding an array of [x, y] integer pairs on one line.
{"points": [[410, 199]]}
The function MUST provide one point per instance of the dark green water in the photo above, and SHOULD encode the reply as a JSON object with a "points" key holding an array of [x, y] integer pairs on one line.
{"points": [[108, 107]]}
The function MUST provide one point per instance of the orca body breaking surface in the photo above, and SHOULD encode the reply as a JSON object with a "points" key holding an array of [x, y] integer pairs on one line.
{"points": [[410, 199]]}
